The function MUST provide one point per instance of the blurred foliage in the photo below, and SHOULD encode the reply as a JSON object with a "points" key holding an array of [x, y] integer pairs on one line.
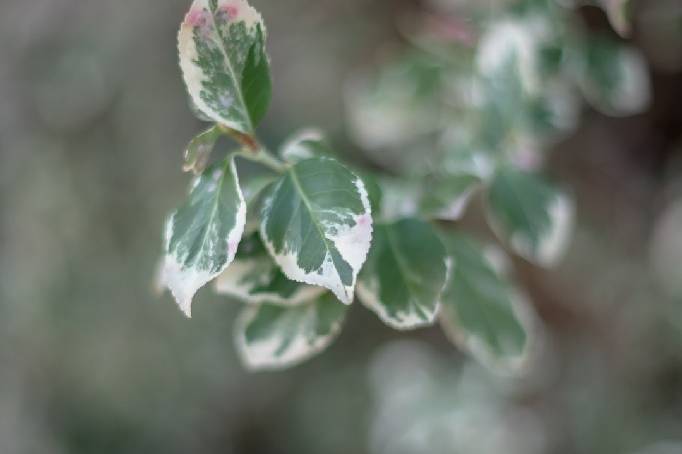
{"points": [[92, 118]]}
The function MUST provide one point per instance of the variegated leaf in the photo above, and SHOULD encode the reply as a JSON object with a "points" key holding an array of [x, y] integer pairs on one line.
{"points": [[397, 105], [203, 235], [448, 195], [534, 218], [404, 275], [461, 173], [317, 225], [481, 312], [196, 112], [614, 78], [551, 115], [199, 150], [224, 64], [372, 187], [305, 144], [509, 49], [275, 337], [253, 277], [400, 198]]}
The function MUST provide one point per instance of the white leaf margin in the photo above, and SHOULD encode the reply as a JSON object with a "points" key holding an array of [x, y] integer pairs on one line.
{"points": [[183, 283], [259, 356], [192, 74], [369, 297], [552, 245], [458, 205], [294, 151], [515, 365], [231, 283], [353, 244], [633, 91]]}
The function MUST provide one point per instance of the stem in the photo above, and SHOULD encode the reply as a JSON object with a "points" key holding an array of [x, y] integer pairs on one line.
{"points": [[253, 150], [248, 141], [262, 156]]}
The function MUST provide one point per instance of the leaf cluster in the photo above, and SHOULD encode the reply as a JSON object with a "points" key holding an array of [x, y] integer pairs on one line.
{"points": [[299, 241]]}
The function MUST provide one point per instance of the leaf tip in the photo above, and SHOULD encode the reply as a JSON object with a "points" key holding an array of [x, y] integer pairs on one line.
{"points": [[182, 283]]}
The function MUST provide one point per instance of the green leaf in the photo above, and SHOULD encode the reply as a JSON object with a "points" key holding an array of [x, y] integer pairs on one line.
{"points": [[199, 150], [373, 189], [549, 116], [451, 186], [534, 218], [305, 144], [480, 310], [405, 274], [400, 198], [224, 63], [524, 95], [274, 337], [402, 102], [313, 143], [317, 225], [203, 235], [448, 195], [613, 77], [253, 277]]}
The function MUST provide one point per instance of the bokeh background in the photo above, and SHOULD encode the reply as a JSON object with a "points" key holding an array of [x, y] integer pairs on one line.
{"points": [[93, 120]]}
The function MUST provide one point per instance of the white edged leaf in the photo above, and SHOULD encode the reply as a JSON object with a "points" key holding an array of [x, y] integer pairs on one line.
{"points": [[317, 225], [463, 155], [397, 105], [509, 48], [534, 218], [448, 195], [453, 184], [305, 144], [221, 44], [614, 78], [254, 278], [462, 171], [196, 112], [404, 275], [481, 311], [400, 198], [199, 150], [202, 236], [374, 192], [271, 337], [550, 116]]}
